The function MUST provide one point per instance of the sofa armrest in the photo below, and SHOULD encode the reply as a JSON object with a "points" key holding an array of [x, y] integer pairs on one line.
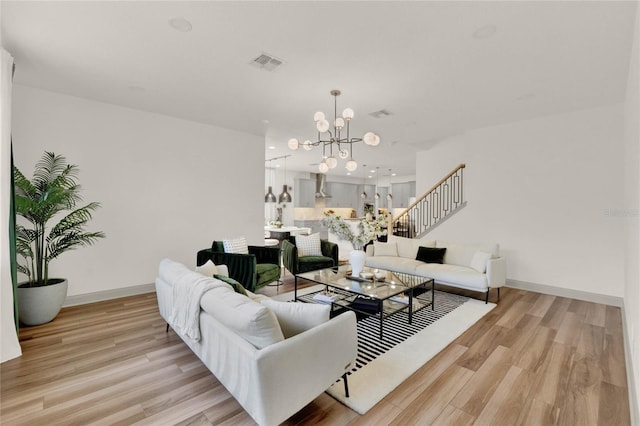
{"points": [[266, 254], [290, 256], [241, 267], [496, 272], [305, 365], [330, 249]]}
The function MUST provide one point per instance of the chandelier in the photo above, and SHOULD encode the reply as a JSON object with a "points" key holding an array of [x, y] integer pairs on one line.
{"points": [[338, 139]]}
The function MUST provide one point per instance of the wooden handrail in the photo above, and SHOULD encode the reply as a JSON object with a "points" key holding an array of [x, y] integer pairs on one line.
{"points": [[433, 188]]}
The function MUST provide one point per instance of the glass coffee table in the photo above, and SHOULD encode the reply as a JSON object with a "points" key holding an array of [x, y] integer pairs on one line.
{"points": [[394, 292]]}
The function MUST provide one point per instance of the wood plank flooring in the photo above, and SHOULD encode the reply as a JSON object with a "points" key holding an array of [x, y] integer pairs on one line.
{"points": [[534, 360]]}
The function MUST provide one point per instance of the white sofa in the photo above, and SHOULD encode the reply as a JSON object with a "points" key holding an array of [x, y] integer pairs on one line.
{"points": [[477, 267], [271, 356]]}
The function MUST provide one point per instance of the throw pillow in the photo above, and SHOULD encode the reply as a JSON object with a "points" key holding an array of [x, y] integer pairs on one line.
{"points": [[308, 245], [430, 254], [479, 261], [385, 249], [237, 287], [253, 322], [236, 245], [209, 269], [296, 317]]}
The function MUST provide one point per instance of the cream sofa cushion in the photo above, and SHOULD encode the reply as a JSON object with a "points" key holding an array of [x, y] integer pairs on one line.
{"points": [[462, 254], [479, 261], [385, 249], [408, 247], [249, 319], [461, 276], [393, 263], [296, 317]]}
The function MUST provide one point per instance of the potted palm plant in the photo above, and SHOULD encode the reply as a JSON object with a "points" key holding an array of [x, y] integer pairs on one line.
{"points": [[52, 193]]}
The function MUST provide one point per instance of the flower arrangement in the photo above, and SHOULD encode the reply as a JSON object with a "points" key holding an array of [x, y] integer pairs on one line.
{"points": [[368, 228]]}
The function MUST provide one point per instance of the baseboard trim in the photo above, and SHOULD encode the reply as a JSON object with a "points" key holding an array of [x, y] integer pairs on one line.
{"points": [[634, 408], [101, 296], [566, 292]]}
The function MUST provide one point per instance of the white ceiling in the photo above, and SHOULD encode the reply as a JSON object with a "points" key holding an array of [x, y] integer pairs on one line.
{"points": [[419, 60]]}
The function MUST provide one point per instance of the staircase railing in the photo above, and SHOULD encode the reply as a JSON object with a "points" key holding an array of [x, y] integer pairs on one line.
{"points": [[436, 205]]}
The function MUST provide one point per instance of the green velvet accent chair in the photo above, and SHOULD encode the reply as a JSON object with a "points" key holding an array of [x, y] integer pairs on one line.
{"points": [[298, 265], [254, 270]]}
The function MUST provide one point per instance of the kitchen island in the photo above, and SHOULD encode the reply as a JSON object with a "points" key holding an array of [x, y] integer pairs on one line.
{"points": [[284, 232]]}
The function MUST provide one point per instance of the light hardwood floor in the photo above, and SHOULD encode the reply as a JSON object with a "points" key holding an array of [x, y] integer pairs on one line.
{"points": [[534, 360]]}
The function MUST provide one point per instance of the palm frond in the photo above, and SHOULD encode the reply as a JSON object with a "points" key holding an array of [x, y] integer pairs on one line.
{"points": [[23, 186], [71, 240], [74, 221], [53, 168], [53, 190], [23, 270]]}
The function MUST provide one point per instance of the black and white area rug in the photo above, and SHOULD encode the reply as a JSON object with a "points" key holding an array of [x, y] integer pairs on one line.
{"points": [[382, 365]]}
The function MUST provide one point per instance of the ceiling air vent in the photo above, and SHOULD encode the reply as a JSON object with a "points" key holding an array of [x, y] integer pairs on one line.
{"points": [[380, 114], [267, 62]]}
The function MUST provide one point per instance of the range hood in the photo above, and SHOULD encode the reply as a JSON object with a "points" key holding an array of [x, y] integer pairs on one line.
{"points": [[321, 181]]}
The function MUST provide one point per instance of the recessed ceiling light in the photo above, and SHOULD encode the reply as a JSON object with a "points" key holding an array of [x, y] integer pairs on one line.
{"points": [[272, 147], [484, 32], [180, 24], [348, 173], [369, 176], [373, 171], [277, 165], [393, 174]]}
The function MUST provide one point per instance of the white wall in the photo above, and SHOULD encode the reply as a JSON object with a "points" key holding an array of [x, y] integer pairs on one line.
{"points": [[168, 187], [630, 216], [543, 189]]}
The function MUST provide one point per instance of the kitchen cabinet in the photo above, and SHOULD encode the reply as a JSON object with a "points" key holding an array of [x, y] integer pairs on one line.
{"points": [[370, 190], [304, 193], [342, 195], [401, 193], [383, 203]]}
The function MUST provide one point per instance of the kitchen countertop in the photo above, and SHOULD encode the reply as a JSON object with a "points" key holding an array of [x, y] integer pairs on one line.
{"points": [[291, 229]]}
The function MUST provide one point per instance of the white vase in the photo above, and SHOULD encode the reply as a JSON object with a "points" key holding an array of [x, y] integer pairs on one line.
{"points": [[356, 259]]}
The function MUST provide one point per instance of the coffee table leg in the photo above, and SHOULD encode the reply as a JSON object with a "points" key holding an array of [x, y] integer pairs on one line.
{"points": [[410, 306], [433, 295], [380, 312], [295, 287]]}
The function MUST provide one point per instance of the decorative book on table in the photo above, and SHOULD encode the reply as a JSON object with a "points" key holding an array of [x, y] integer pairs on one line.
{"points": [[365, 304], [325, 298]]}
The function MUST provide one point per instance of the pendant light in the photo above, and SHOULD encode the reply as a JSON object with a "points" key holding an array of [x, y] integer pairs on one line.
{"points": [[364, 183], [377, 182], [285, 197], [343, 145], [389, 196], [270, 197]]}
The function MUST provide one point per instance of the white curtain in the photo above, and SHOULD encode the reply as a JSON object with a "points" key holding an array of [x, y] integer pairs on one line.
{"points": [[9, 345]]}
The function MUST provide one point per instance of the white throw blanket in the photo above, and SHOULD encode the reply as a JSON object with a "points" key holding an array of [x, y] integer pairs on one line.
{"points": [[187, 292]]}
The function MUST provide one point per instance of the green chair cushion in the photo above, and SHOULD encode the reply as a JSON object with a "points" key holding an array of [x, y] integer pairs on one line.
{"points": [[312, 263], [233, 283], [267, 273]]}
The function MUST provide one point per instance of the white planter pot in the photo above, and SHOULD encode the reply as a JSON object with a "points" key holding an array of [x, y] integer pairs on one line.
{"points": [[356, 259], [39, 305]]}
